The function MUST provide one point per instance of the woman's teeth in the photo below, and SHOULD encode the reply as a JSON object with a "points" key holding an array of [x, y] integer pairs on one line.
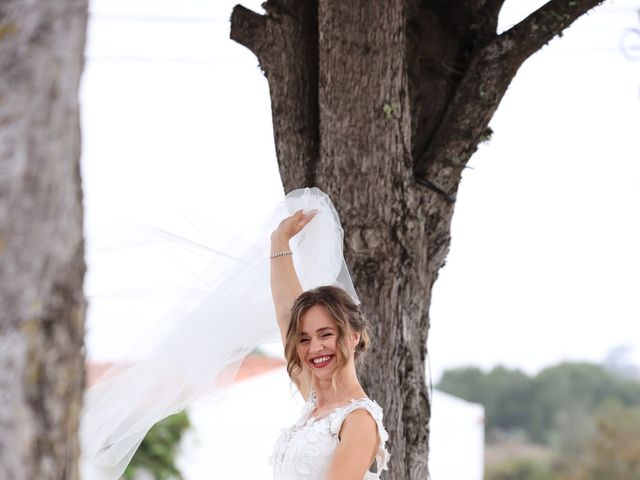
{"points": [[321, 361]]}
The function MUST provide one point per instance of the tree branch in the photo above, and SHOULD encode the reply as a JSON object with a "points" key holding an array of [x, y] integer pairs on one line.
{"points": [[285, 41], [483, 85], [493, 8], [247, 27], [536, 30]]}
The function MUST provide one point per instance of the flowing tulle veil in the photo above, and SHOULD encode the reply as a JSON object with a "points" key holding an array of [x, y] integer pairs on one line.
{"points": [[194, 353]]}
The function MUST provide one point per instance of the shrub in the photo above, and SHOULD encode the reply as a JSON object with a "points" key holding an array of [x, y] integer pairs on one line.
{"points": [[157, 451]]}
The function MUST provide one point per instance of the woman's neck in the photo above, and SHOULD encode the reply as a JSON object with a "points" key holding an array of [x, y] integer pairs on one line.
{"points": [[347, 387]]}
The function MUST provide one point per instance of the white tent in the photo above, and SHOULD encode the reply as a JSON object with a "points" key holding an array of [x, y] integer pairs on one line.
{"points": [[457, 438], [234, 439]]}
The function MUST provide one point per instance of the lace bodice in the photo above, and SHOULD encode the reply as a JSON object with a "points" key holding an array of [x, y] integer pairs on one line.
{"points": [[304, 451]]}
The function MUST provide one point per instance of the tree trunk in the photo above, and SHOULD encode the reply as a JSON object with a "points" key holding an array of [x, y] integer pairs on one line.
{"points": [[42, 266], [381, 105]]}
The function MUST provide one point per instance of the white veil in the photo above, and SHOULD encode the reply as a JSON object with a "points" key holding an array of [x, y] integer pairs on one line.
{"points": [[195, 351]]}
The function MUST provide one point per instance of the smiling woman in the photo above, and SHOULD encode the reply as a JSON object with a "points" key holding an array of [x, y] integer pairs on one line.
{"points": [[337, 327], [340, 432], [193, 353]]}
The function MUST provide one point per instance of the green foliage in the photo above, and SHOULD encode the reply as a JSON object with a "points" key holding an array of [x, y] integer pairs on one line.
{"points": [[584, 417], [486, 135], [468, 383], [157, 451], [504, 393], [559, 391], [613, 451], [555, 407], [520, 469], [570, 432], [388, 110]]}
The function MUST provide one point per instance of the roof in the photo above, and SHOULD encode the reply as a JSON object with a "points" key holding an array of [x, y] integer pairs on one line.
{"points": [[251, 366]]}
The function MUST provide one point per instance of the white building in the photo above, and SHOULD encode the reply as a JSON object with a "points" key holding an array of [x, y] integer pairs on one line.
{"points": [[457, 438]]}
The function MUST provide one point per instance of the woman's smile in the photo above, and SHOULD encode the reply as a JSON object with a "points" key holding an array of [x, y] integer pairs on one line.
{"points": [[321, 361]]}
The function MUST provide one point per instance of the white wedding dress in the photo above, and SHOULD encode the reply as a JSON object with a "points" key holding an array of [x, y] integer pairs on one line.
{"points": [[193, 353], [304, 451]]}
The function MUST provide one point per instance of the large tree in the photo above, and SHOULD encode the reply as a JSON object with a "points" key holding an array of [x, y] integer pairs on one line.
{"points": [[381, 104], [41, 244]]}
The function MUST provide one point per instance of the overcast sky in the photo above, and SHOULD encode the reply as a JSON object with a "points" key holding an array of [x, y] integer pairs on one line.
{"points": [[544, 263]]}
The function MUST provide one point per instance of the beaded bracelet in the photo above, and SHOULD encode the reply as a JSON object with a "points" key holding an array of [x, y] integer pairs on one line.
{"points": [[280, 254]]}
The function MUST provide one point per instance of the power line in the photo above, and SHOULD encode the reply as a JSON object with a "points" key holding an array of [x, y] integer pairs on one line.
{"points": [[156, 18], [192, 19], [630, 44], [180, 60], [230, 61]]}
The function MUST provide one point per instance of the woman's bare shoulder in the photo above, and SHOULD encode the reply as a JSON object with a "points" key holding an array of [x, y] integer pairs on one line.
{"points": [[359, 423]]}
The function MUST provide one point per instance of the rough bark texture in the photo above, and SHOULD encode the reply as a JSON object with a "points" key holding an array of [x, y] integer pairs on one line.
{"points": [[41, 245], [286, 44], [381, 105]]}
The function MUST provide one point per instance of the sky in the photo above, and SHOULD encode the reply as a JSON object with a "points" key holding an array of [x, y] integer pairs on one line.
{"points": [[544, 264]]}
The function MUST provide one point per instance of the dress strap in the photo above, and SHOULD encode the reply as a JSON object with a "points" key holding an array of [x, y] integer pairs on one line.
{"points": [[307, 408], [382, 455]]}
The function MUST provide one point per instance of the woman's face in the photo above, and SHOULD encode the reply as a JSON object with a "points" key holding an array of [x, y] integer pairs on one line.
{"points": [[318, 347]]}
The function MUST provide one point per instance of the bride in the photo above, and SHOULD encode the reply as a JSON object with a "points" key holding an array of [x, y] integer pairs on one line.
{"points": [[340, 433], [193, 353]]}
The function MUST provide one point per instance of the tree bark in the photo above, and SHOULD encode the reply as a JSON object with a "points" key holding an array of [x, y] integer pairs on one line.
{"points": [[41, 244], [381, 105]]}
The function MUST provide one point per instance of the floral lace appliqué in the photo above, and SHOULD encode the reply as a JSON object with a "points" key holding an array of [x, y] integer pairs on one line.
{"points": [[304, 451]]}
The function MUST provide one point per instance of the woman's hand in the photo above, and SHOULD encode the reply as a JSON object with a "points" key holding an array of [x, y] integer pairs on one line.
{"points": [[291, 226]]}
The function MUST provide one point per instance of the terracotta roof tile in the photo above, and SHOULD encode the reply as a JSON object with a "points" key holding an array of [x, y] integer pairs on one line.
{"points": [[251, 366]]}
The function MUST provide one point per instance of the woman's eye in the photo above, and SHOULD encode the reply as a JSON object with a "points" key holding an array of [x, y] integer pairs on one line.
{"points": [[327, 335], [303, 340]]}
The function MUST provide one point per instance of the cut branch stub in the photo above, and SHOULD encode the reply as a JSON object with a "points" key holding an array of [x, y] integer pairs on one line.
{"points": [[285, 41], [247, 27]]}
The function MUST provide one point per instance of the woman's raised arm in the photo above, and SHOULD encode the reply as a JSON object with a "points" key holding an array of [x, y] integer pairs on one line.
{"points": [[285, 285]]}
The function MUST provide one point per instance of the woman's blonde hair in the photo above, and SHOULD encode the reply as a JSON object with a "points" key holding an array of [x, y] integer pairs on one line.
{"points": [[348, 317]]}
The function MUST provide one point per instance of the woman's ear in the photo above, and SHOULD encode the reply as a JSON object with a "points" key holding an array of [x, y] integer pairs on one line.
{"points": [[355, 337]]}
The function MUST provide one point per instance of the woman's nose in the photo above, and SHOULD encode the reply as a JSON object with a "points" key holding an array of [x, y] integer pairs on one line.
{"points": [[316, 345]]}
